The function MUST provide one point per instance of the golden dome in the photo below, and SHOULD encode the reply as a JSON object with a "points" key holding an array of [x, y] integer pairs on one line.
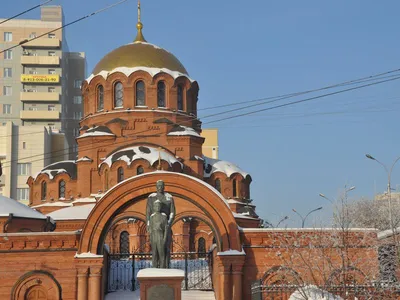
{"points": [[139, 54]]}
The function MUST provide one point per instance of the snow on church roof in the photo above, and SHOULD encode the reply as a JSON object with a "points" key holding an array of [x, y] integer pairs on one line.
{"points": [[97, 131], [212, 166], [131, 154], [10, 206], [180, 130], [72, 213], [67, 166], [128, 71]]}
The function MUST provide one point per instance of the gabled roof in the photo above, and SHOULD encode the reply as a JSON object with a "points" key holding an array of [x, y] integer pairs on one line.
{"points": [[10, 206], [72, 213]]}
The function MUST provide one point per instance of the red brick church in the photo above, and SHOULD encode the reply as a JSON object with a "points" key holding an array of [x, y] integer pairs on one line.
{"points": [[86, 222]]}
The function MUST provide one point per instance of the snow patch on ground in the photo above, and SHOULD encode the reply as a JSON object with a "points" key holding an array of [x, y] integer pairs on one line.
{"points": [[311, 292]]}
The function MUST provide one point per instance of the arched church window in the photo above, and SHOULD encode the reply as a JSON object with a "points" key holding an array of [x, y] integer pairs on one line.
{"points": [[180, 97], [139, 170], [201, 247], [124, 242], [234, 186], [140, 94], [118, 95], [218, 185], [120, 174], [44, 190], [161, 94], [106, 180], [100, 98], [61, 189]]}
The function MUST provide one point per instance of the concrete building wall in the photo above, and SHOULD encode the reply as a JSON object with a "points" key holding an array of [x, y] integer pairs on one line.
{"points": [[210, 146], [24, 152]]}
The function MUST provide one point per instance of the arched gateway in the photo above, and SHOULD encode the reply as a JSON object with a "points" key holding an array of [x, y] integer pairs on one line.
{"points": [[193, 199]]}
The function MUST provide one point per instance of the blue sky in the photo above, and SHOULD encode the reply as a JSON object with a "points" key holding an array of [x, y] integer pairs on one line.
{"points": [[245, 50]]}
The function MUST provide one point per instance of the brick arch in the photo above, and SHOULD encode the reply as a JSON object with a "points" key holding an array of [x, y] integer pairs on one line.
{"points": [[36, 279], [189, 192]]}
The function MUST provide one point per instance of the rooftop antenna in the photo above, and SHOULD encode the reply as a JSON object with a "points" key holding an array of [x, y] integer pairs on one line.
{"points": [[139, 37]]}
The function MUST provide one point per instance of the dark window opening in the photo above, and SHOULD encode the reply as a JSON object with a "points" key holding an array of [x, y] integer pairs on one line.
{"points": [[61, 189], [140, 94], [161, 94]]}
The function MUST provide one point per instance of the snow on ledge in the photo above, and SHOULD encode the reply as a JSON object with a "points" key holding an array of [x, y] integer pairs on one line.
{"points": [[128, 71], [314, 293], [95, 133], [160, 273], [306, 229], [56, 204], [184, 131], [88, 255], [56, 233], [244, 216], [231, 252]]}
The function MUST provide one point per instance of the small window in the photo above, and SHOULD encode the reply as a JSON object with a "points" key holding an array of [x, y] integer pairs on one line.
{"points": [[100, 98], [124, 242], [23, 145], [24, 169], [139, 170], [52, 71], [61, 189], [180, 97], [161, 94], [140, 94], [76, 131], [52, 53], [51, 108], [120, 174], [118, 95], [201, 247], [7, 109], [7, 90], [22, 194], [218, 185], [7, 72], [44, 190], [77, 84], [77, 115], [51, 35], [77, 99], [51, 89], [8, 36], [234, 186], [8, 54]]}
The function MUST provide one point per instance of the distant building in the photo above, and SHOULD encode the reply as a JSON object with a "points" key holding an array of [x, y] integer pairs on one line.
{"points": [[210, 146], [24, 152], [395, 196], [40, 81], [40, 98]]}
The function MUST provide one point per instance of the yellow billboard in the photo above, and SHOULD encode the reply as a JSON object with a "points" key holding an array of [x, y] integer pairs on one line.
{"points": [[40, 78]]}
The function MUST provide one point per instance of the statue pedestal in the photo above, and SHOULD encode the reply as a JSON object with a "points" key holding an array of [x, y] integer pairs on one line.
{"points": [[160, 284]]}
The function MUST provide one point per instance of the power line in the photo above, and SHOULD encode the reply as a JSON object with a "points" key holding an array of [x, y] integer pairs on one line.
{"points": [[231, 117], [63, 26], [354, 81], [24, 12], [302, 101]]}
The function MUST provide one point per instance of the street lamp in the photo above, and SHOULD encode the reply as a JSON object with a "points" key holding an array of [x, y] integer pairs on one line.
{"points": [[389, 189], [283, 219], [303, 220]]}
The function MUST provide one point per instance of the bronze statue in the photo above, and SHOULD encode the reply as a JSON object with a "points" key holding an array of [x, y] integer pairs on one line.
{"points": [[160, 214]]}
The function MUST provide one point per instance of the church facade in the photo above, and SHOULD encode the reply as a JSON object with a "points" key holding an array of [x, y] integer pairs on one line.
{"points": [[140, 125]]}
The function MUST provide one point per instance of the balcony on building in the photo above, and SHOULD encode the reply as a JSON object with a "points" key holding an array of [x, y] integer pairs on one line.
{"points": [[39, 115], [34, 60], [43, 42], [31, 96]]}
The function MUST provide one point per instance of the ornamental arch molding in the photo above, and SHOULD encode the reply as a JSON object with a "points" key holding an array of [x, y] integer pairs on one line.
{"points": [[39, 281], [129, 198]]}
